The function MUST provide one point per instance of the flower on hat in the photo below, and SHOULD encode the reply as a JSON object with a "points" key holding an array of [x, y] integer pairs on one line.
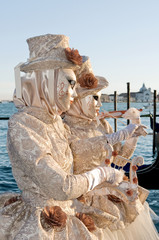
{"points": [[88, 80], [73, 56]]}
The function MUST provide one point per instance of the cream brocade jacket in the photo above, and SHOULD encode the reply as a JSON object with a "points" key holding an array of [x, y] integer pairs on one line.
{"points": [[88, 145], [42, 166], [79, 131]]}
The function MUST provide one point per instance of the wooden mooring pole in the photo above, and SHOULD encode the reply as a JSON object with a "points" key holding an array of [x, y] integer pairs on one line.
{"points": [[115, 108], [154, 121], [128, 98]]}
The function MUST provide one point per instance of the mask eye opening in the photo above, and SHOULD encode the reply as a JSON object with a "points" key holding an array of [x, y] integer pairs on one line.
{"points": [[72, 83], [95, 97]]}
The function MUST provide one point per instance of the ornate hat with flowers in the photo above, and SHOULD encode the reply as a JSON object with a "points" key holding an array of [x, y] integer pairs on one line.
{"points": [[88, 84], [51, 51]]}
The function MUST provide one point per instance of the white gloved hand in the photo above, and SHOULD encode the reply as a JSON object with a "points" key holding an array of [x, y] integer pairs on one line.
{"points": [[122, 134], [130, 144], [140, 131], [101, 174]]}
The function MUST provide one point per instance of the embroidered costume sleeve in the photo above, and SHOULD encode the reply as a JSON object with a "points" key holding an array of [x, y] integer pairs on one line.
{"points": [[36, 153]]}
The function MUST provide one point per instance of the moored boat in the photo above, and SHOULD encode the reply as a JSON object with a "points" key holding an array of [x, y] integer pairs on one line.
{"points": [[156, 124]]}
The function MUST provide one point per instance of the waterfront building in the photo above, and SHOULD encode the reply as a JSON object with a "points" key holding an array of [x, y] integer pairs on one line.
{"points": [[143, 95]]}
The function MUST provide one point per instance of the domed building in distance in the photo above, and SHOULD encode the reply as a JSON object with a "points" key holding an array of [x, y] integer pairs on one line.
{"points": [[143, 95]]}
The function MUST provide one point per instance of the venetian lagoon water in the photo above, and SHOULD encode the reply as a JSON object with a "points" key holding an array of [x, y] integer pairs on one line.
{"points": [[144, 148]]}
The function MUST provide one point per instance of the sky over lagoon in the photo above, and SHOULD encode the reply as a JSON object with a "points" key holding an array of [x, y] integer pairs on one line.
{"points": [[121, 37]]}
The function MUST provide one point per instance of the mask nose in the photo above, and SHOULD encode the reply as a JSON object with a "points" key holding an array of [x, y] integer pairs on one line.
{"points": [[74, 93], [99, 104]]}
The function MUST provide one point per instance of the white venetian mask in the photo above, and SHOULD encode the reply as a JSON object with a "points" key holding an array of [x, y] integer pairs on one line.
{"points": [[91, 105], [65, 89]]}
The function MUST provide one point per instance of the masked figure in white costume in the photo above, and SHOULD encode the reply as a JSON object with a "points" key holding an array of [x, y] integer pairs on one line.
{"points": [[40, 155], [82, 118], [124, 217], [41, 159]]}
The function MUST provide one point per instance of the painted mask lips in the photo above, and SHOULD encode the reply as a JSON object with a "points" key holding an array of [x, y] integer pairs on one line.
{"points": [[71, 100], [97, 111]]}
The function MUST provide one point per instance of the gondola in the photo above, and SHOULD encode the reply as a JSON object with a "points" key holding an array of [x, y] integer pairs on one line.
{"points": [[156, 124], [4, 118], [148, 177], [148, 174]]}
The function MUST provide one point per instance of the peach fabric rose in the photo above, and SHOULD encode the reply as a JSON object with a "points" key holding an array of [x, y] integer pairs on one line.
{"points": [[88, 80], [54, 216], [73, 56], [107, 161], [87, 221]]}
